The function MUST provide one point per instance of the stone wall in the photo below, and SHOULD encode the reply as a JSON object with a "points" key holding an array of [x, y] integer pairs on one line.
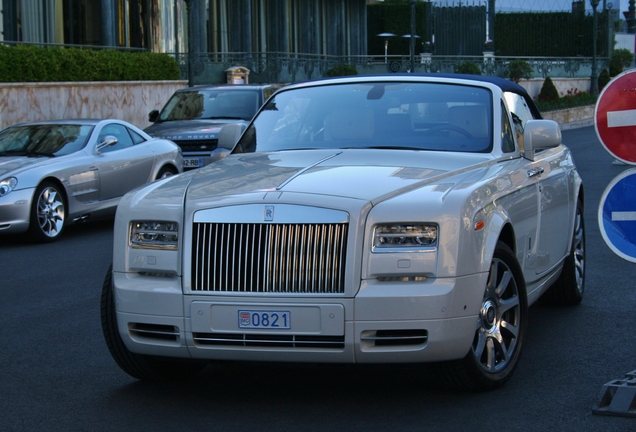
{"points": [[563, 85], [133, 100], [572, 117], [127, 100]]}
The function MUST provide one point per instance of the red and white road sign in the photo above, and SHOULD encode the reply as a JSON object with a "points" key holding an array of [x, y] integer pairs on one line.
{"points": [[615, 117]]}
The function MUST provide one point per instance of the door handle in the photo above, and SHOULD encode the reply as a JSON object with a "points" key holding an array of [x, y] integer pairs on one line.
{"points": [[535, 171]]}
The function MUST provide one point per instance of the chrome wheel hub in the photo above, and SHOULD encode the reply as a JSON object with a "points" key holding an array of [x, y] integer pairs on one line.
{"points": [[50, 212], [499, 321]]}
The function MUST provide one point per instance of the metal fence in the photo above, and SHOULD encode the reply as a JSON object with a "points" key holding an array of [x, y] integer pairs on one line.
{"points": [[206, 68], [554, 36]]}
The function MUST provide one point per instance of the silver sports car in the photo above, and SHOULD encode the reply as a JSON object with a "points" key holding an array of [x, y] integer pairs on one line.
{"points": [[57, 172]]}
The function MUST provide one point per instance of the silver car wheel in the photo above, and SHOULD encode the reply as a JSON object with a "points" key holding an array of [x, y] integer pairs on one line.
{"points": [[50, 211], [578, 249], [499, 320]]}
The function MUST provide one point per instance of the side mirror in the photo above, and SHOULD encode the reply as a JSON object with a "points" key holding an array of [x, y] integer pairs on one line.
{"points": [[540, 135], [153, 116], [230, 134], [108, 140]]}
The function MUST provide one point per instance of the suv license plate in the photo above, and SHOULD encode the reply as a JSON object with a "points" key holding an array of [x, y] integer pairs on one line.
{"points": [[192, 162], [255, 319]]}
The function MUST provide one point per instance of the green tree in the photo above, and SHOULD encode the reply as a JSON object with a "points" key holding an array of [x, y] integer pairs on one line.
{"points": [[621, 58], [468, 68], [548, 91], [519, 69], [341, 70]]}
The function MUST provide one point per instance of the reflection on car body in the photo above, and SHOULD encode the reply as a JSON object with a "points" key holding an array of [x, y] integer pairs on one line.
{"points": [[357, 220], [57, 172]]}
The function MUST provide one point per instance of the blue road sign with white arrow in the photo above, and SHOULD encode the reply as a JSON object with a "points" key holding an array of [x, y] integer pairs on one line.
{"points": [[617, 215]]}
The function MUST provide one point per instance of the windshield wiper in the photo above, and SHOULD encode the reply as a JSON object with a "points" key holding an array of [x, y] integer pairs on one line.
{"points": [[22, 152]]}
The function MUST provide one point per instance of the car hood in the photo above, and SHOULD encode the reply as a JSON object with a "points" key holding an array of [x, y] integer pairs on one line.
{"points": [[370, 175], [14, 164], [185, 129]]}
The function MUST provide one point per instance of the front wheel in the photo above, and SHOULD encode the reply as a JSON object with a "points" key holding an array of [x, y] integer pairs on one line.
{"points": [[165, 172], [48, 213], [499, 329], [139, 366]]}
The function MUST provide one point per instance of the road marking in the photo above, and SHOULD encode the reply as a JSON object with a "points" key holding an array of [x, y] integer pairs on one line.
{"points": [[624, 216], [621, 118]]}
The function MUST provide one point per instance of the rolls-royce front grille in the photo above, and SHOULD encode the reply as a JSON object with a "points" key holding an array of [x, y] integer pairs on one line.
{"points": [[269, 258]]}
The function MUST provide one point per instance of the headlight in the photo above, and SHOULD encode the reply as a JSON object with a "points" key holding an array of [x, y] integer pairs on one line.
{"points": [[154, 235], [7, 185], [392, 237]]}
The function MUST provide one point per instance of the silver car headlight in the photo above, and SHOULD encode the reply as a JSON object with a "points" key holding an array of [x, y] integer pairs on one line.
{"points": [[404, 236], [7, 185], [154, 235]]}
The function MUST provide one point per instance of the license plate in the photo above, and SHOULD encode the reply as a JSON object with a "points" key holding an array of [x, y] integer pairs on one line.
{"points": [[192, 162], [255, 319]]}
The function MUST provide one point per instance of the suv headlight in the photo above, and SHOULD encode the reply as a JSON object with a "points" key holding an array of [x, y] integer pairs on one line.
{"points": [[154, 235], [7, 185], [404, 236]]}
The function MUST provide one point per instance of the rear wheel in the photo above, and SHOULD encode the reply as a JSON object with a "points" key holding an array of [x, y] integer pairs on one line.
{"points": [[48, 213], [568, 290], [139, 366], [499, 329]]}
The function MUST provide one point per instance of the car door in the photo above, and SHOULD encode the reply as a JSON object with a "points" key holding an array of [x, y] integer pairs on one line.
{"points": [[554, 224], [124, 165], [549, 172], [522, 204]]}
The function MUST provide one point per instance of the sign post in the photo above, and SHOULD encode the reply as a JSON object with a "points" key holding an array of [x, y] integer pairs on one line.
{"points": [[615, 117]]}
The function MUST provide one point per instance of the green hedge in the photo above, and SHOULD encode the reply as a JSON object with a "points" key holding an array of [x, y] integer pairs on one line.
{"points": [[30, 63]]}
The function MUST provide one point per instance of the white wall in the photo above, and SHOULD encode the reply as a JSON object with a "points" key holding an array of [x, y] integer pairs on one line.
{"points": [[126, 100]]}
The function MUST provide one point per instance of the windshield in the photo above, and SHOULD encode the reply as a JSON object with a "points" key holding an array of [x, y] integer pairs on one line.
{"points": [[47, 140], [211, 104], [417, 116]]}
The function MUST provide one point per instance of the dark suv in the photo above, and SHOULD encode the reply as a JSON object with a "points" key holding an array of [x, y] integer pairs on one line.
{"points": [[193, 116]]}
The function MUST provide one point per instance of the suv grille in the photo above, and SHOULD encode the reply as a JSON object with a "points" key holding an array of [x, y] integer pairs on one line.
{"points": [[264, 258], [196, 145]]}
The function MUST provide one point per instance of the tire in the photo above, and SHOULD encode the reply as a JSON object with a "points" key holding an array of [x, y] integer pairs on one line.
{"points": [[165, 172], [139, 366], [499, 330], [569, 289], [48, 213]]}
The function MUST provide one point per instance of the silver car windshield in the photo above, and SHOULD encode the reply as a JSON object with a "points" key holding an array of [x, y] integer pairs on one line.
{"points": [[417, 116], [211, 104], [44, 139]]}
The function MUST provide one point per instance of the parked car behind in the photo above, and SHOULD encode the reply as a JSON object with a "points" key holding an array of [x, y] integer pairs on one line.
{"points": [[54, 173], [367, 219], [193, 117]]}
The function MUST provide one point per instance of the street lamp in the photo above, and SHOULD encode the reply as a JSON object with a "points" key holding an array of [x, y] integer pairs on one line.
{"points": [[386, 37], [594, 77]]}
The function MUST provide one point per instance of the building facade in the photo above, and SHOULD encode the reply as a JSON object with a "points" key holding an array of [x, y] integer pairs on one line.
{"points": [[324, 27]]}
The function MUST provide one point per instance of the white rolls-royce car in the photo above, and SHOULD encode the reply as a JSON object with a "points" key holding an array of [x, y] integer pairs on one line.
{"points": [[366, 219]]}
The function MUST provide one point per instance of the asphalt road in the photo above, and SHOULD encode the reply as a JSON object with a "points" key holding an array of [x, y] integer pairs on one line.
{"points": [[56, 373]]}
